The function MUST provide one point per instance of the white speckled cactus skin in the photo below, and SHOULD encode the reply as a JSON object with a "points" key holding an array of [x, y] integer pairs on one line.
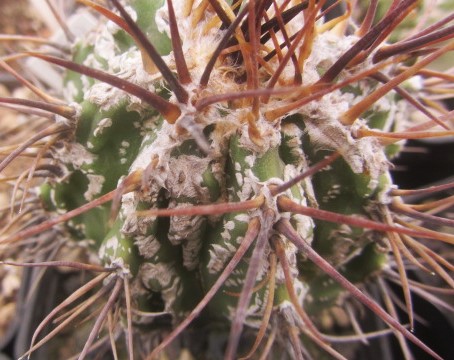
{"points": [[234, 130]]}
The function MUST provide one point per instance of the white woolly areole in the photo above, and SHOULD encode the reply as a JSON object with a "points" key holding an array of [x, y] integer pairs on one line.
{"points": [[162, 277], [75, 154], [95, 183], [363, 155]]}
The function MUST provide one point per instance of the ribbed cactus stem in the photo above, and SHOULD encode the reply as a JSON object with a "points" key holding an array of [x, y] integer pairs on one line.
{"points": [[229, 163]]}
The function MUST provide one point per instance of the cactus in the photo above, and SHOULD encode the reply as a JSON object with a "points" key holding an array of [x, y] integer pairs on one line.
{"points": [[225, 167]]}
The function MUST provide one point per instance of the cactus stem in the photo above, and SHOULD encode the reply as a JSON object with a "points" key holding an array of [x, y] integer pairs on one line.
{"points": [[287, 230], [297, 185], [251, 234]]}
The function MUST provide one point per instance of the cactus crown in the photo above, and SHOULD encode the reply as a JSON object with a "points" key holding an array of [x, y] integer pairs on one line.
{"points": [[229, 161]]}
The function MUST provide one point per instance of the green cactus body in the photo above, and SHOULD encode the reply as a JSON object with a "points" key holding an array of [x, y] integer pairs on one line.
{"points": [[178, 259]]}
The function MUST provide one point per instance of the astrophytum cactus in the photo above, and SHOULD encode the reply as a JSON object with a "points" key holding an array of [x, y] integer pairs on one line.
{"points": [[225, 167]]}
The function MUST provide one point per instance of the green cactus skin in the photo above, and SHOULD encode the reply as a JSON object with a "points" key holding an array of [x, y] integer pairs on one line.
{"points": [[183, 257], [172, 262]]}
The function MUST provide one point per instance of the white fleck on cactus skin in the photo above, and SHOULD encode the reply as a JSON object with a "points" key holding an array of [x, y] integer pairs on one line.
{"points": [[248, 187]]}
